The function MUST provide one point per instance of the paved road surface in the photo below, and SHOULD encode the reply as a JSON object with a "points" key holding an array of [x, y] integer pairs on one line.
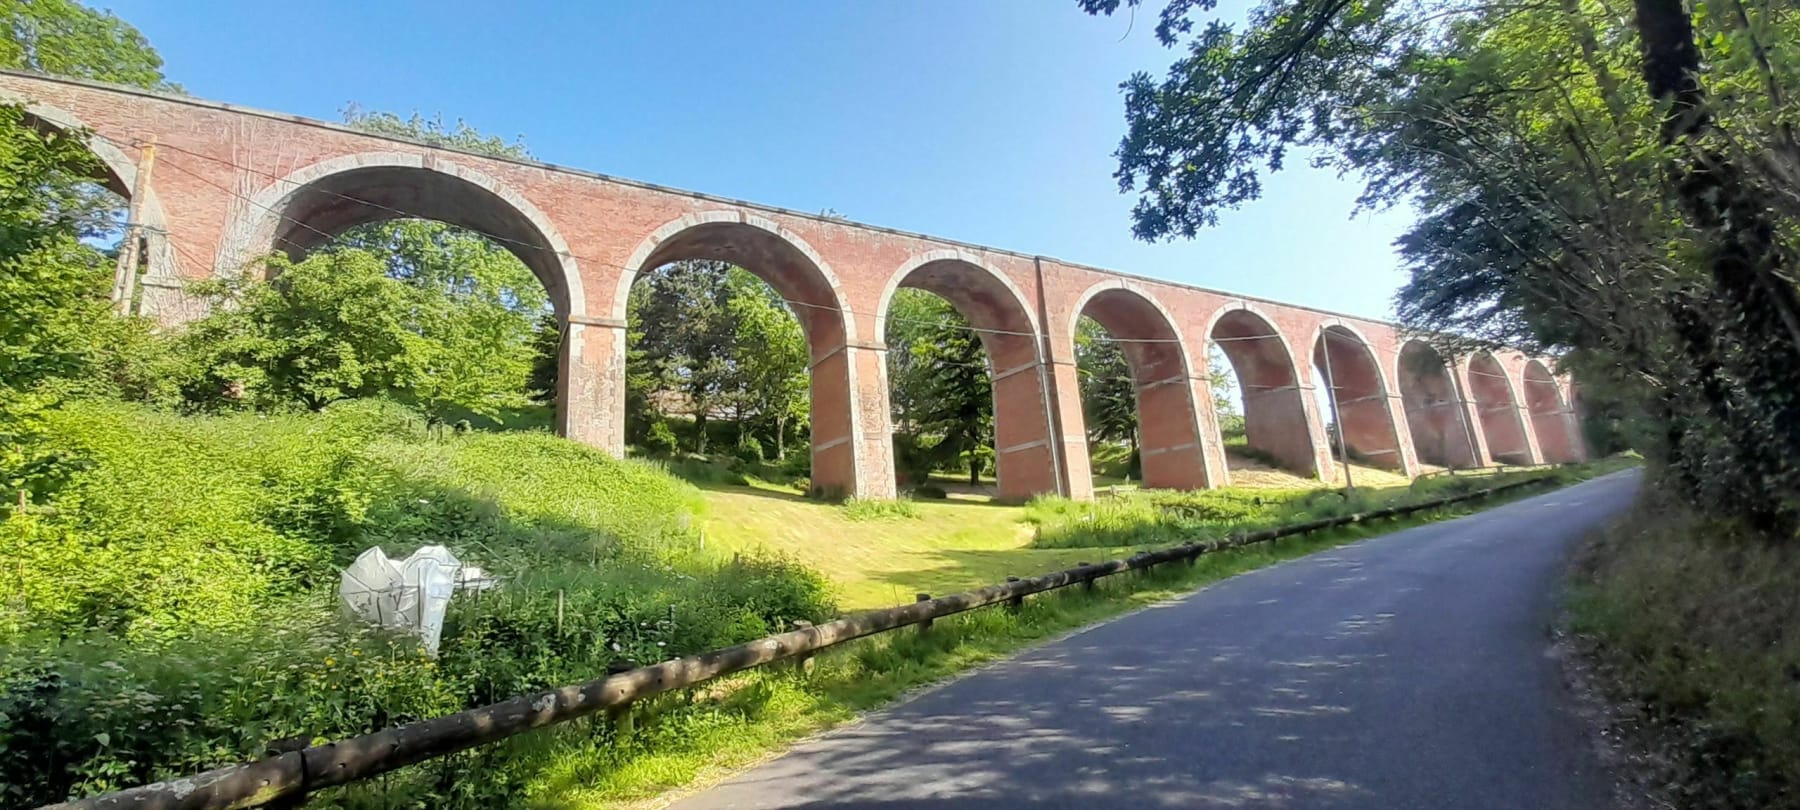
{"points": [[1405, 671]]}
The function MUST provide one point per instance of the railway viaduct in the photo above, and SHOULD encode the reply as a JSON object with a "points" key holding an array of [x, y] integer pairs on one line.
{"points": [[230, 185]]}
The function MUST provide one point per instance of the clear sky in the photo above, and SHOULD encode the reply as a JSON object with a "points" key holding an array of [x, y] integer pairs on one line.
{"points": [[987, 121]]}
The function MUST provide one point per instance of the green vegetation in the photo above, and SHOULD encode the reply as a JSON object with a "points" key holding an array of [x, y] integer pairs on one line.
{"points": [[171, 605], [943, 401], [1615, 189], [731, 723], [1160, 517], [866, 509], [1693, 619]]}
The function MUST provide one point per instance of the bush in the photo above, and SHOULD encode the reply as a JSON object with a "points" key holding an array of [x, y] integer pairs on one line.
{"points": [[707, 471], [748, 450], [1694, 621], [929, 492], [175, 595], [659, 440], [878, 509], [797, 464]]}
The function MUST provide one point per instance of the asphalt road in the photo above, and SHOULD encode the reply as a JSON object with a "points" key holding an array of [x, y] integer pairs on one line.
{"points": [[1411, 670]]}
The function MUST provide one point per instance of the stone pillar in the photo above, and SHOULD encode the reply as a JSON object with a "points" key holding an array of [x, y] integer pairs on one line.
{"points": [[1403, 436], [871, 422], [1169, 431], [590, 397], [1028, 451], [1069, 425]]}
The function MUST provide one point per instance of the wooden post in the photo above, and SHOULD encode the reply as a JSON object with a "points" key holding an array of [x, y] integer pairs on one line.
{"points": [[126, 271], [1087, 585], [923, 597], [1016, 603], [803, 663]]}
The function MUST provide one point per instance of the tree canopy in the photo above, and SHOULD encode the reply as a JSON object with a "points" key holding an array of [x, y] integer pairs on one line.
{"points": [[66, 38], [1618, 188]]}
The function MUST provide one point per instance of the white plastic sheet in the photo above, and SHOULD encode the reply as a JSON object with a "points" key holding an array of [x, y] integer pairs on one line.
{"points": [[411, 594]]}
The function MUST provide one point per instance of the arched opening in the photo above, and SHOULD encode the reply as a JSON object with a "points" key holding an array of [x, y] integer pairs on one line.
{"points": [[798, 287], [452, 232], [1492, 392], [99, 206], [1137, 387], [1025, 461], [1549, 415], [315, 213], [1356, 399], [1274, 410], [1434, 413]]}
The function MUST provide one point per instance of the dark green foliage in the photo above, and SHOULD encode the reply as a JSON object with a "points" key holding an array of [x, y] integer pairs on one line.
{"points": [[344, 324], [714, 342], [942, 397], [1108, 394], [1616, 188], [928, 492], [659, 440]]}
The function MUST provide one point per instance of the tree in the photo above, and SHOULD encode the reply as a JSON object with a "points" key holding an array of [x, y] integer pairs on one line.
{"points": [[53, 289], [938, 368], [769, 355], [1108, 394], [434, 132], [686, 351], [66, 38], [329, 328], [1641, 228]]}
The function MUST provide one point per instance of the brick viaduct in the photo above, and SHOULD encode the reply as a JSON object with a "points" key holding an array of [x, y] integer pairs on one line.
{"points": [[230, 184]]}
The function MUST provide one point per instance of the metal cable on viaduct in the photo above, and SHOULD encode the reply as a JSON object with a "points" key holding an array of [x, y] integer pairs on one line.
{"points": [[233, 184]]}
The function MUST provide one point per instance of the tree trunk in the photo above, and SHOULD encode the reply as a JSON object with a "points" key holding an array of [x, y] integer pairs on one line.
{"points": [[974, 469], [700, 430], [780, 438], [1758, 329]]}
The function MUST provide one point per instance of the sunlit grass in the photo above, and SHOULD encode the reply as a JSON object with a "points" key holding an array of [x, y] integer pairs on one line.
{"points": [[740, 720]]}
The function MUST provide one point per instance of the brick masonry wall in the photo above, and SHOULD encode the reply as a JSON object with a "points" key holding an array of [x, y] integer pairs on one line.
{"points": [[232, 184]]}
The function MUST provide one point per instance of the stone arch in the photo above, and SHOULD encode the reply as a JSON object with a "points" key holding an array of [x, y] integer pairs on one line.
{"points": [[1435, 415], [1549, 411], [803, 278], [1275, 416], [1347, 364], [1027, 456], [1491, 389], [121, 177], [311, 205], [1170, 444]]}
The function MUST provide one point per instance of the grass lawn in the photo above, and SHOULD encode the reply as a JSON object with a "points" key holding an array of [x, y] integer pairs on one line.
{"points": [[683, 743], [952, 545]]}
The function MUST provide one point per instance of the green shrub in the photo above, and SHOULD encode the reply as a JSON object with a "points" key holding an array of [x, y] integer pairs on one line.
{"points": [[797, 464], [748, 450], [659, 440], [879, 509], [175, 596], [707, 470], [1694, 623]]}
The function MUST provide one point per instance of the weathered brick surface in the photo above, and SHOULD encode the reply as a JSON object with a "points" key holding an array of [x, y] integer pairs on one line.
{"points": [[232, 184]]}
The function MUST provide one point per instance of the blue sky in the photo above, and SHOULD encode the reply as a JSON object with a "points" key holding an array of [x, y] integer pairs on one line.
{"points": [[992, 121]]}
